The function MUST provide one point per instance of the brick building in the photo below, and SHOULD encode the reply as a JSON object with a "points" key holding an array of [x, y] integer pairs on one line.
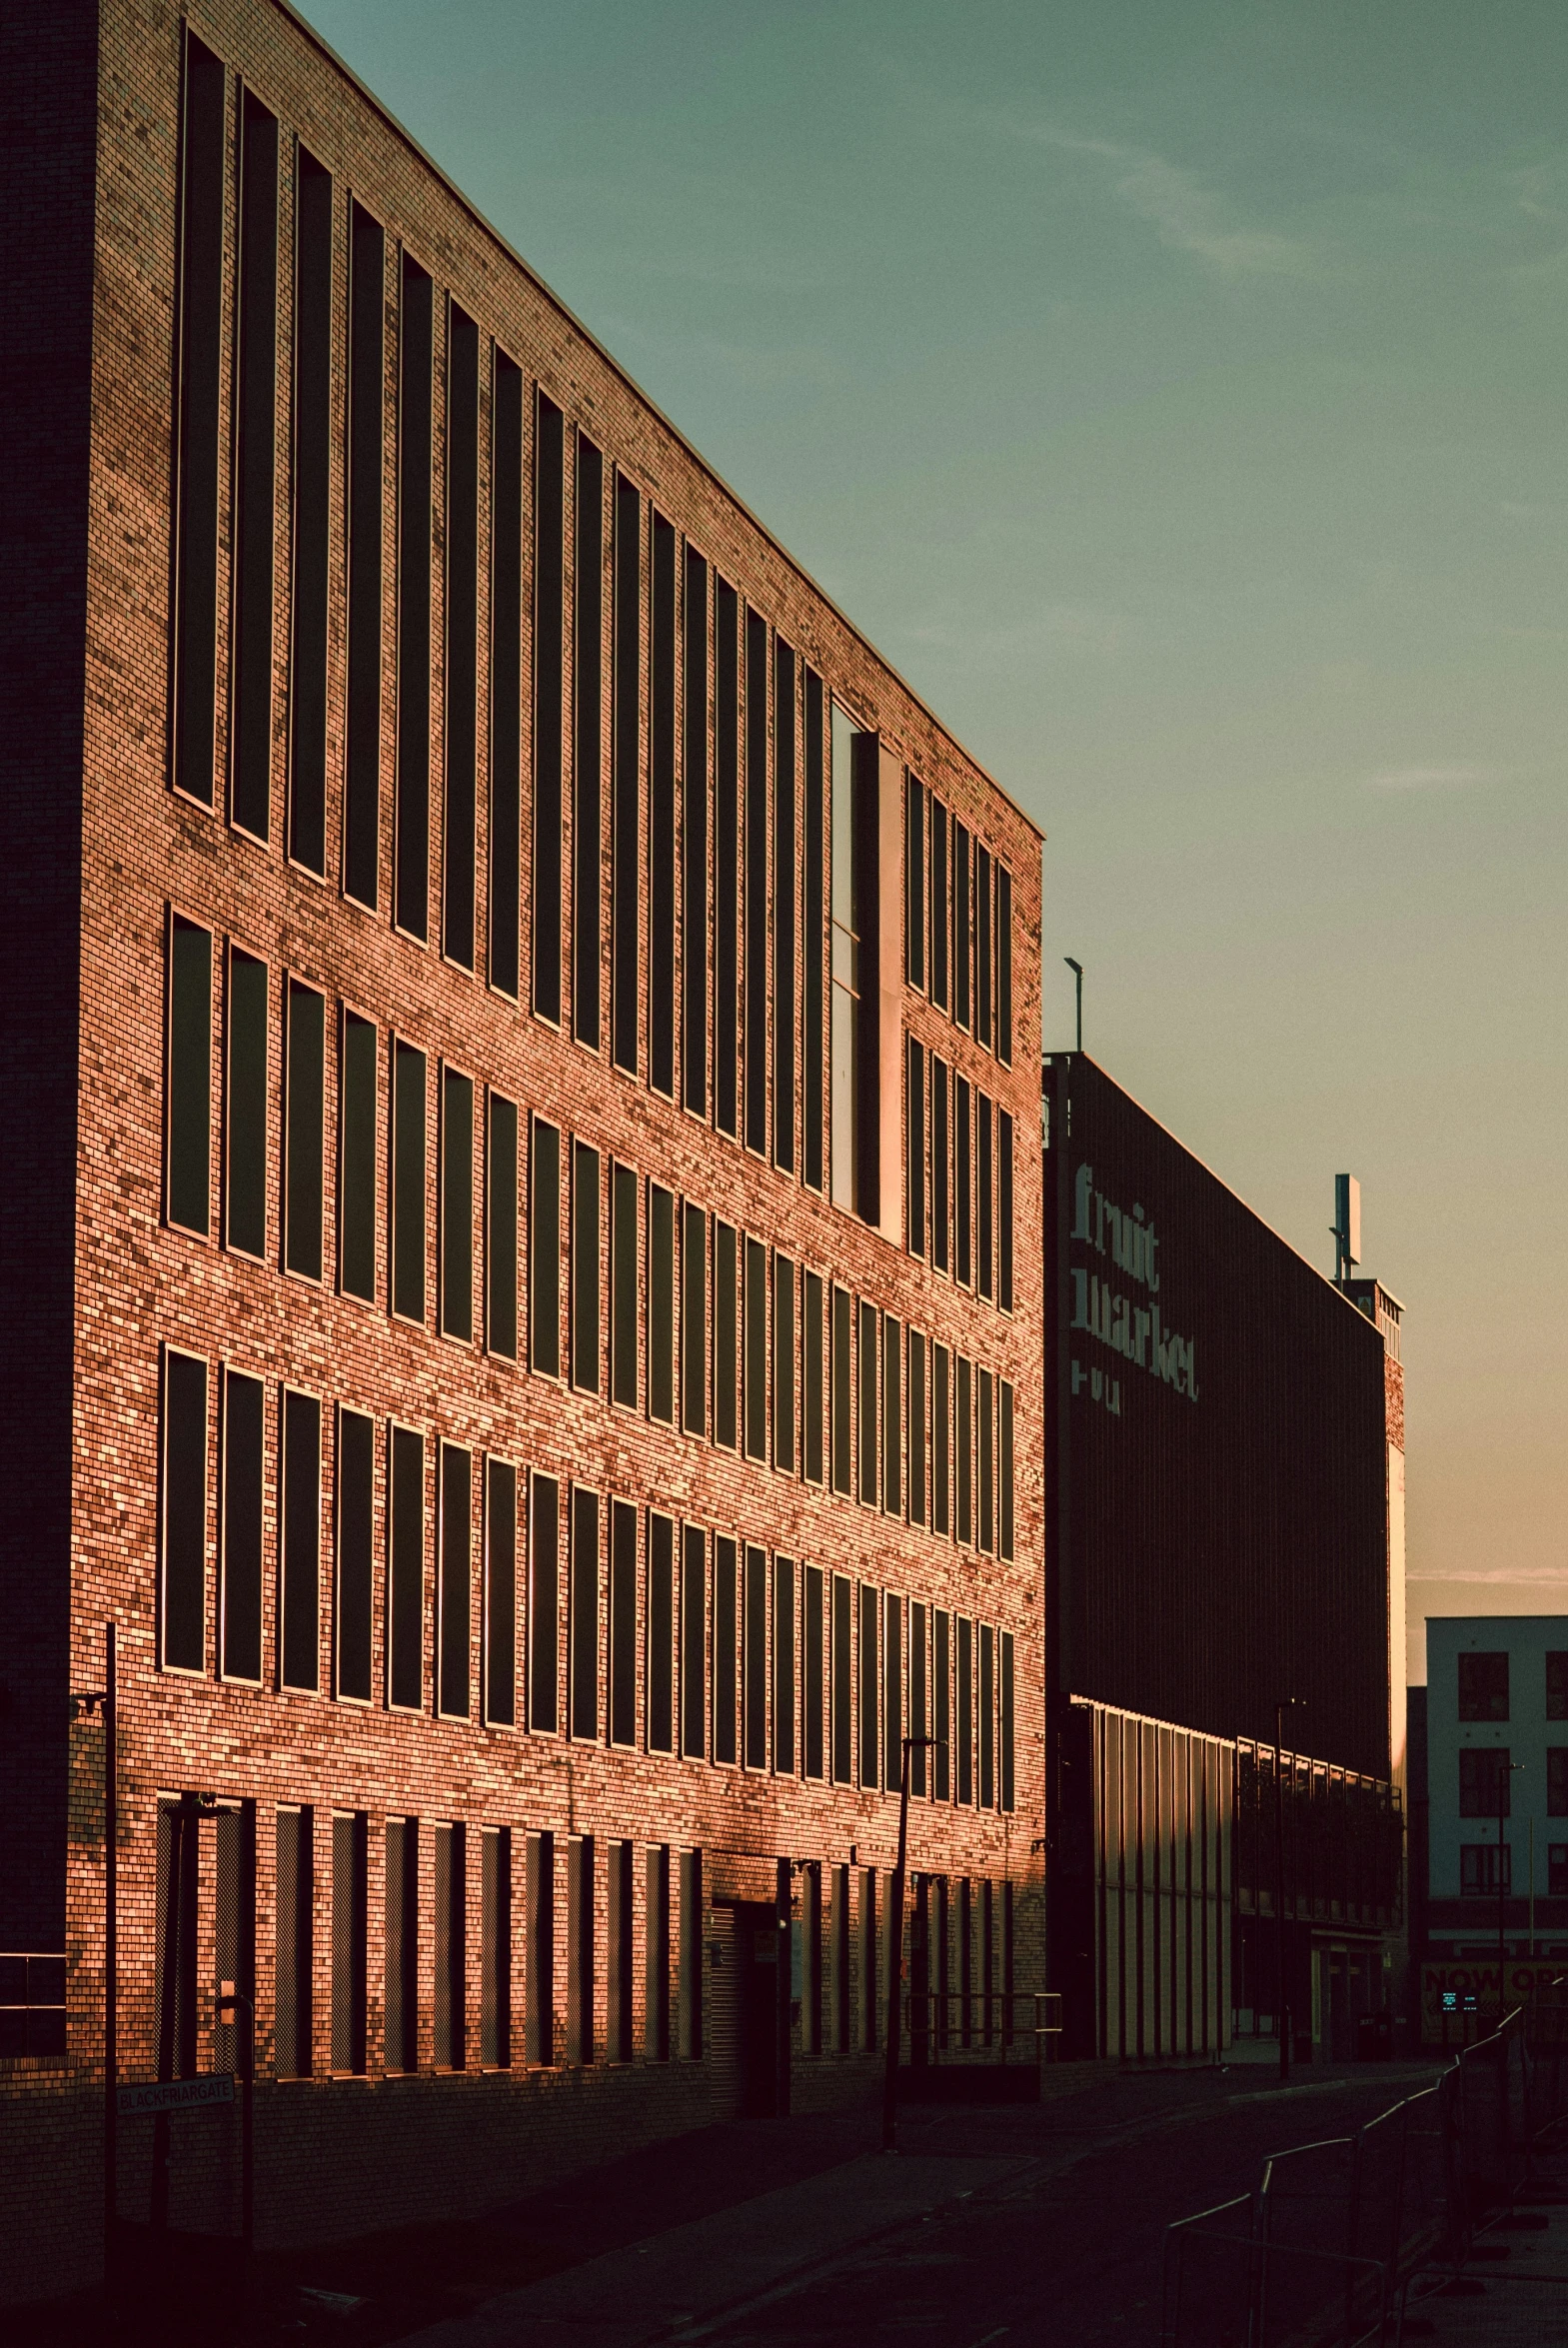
{"points": [[522, 1044]]}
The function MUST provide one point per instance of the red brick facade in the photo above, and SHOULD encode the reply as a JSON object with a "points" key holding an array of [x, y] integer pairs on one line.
{"points": [[338, 2154]]}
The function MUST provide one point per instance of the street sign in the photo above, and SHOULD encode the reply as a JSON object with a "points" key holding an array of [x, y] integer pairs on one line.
{"points": [[143, 2097]]}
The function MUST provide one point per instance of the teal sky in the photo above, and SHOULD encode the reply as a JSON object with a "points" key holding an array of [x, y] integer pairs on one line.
{"points": [[1176, 396]]}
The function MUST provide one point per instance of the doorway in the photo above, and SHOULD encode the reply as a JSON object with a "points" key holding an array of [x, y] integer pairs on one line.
{"points": [[756, 1938]]}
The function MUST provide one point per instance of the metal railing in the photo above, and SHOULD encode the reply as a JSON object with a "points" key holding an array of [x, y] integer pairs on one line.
{"points": [[1337, 2234], [945, 2025]]}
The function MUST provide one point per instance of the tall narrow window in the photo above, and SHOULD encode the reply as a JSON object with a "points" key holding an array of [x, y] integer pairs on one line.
{"points": [[727, 854], [942, 1714], [501, 1227], [366, 430], [1005, 1672], [587, 746], [942, 1442], [811, 1683], [1004, 1210], [201, 182], [623, 1287], [456, 1204], [813, 942], [843, 1673], [963, 1446], [585, 1268], [783, 1364], [869, 1675], [941, 1161], [985, 1249], [839, 1928], [460, 692], [963, 1183], [693, 1642], [499, 1624], [754, 1636], [915, 1145], [408, 1181], [623, 1622], [311, 516], [656, 2000], [938, 905], [294, 1946], [506, 675], [755, 910], [255, 470], [538, 2035], [892, 1415], [983, 945], [856, 1016], [582, 1615], [961, 925], [985, 1458], [451, 2035], [661, 1714], [356, 1562], [811, 1337], [785, 880], [411, 895], [661, 1305], [839, 1399], [580, 1949], [406, 1572], [619, 2017], [725, 1648], [243, 1420], [694, 1321], [305, 1046], [495, 1963], [754, 1309], [544, 1603], [1005, 966], [1005, 1471], [725, 1361], [234, 1920], [400, 1975], [299, 1517], [915, 882], [357, 1156], [189, 1083], [662, 813], [453, 1598], [692, 1953], [892, 1691], [985, 1721], [920, 1698], [914, 1426], [866, 1403], [543, 1250], [244, 1107], [694, 839], [784, 1666], [349, 1937], [548, 686], [964, 1643], [625, 929]]}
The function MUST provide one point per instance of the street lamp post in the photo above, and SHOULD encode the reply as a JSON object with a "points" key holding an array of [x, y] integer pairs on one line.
{"points": [[895, 1952], [1505, 1771], [1281, 2007]]}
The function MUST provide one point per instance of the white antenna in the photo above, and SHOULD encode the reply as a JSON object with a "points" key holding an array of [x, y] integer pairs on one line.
{"points": [[1347, 1226]]}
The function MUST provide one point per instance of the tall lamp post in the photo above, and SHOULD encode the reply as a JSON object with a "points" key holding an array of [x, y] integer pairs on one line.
{"points": [[1282, 2007], [895, 1952], [1505, 1771]]}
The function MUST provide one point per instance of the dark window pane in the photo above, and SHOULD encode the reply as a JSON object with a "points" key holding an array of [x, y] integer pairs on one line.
{"points": [[756, 1634], [662, 813], [694, 839], [543, 1250], [987, 1455], [626, 936], [942, 1718], [813, 931], [984, 1229], [367, 426], [892, 1415], [585, 1268], [920, 1698], [190, 1074], [783, 1364], [1005, 1478], [961, 925], [724, 1630], [983, 945], [245, 1140], [304, 1137], [987, 1719], [456, 1573], [543, 1602], [500, 1629], [914, 1145], [839, 1399], [356, 1552], [256, 434], [200, 371], [583, 1625], [460, 690], [964, 1173], [964, 1443], [755, 1311], [456, 1204], [408, 1181], [661, 1634], [725, 1363], [506, 673], [243, 1424], [892, 1692], [1483, 1686], [941, 1439], [915, 882], [661, 1305], [588, 748], [501, 1230], [727, 852], [966, 1672], [811, 1674], [843, 1679], [914, 1426], [357, 1200], [870, 1674], [866, 1404], [299, 1639], [312, 510], [548, 686], [938, 905], [622, 1285], [785, 882], [694, 1321], [623, 1624], [754, 912], [812, 1337], [406, 1576], [1004, 1210], [1557, 1685], [940, 1187], [410, 847], [1005, 966], [784, 1666], [693, 1642], [348, 1941], [1007, 1729]]}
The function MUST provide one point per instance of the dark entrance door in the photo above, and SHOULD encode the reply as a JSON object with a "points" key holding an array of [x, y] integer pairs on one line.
{"points": [[756, 1938]]}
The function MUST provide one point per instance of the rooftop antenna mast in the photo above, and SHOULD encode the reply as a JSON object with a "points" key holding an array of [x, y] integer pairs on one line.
{"points": [[1347, 1226], [1076, 968]]}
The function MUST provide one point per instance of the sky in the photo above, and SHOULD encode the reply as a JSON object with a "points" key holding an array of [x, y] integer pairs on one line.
{"points": [[1175, 396]]}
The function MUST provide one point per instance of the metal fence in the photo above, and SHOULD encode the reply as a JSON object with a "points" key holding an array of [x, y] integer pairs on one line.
{"points": [[1326, 2249]]}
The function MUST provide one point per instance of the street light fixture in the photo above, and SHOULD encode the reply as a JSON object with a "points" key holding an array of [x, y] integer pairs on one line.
{"points": [[1505, 1771]]}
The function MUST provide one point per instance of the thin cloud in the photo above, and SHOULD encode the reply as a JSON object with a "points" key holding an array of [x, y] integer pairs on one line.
{"points": [[1433, 778], [1184, 214]]}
